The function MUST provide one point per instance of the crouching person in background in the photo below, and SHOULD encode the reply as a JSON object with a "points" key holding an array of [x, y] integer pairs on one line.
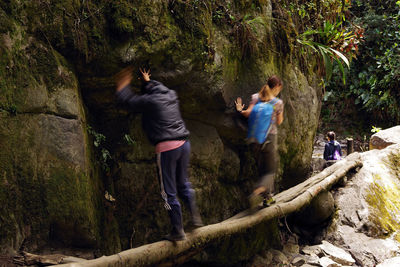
{"points": [[333, 150]]}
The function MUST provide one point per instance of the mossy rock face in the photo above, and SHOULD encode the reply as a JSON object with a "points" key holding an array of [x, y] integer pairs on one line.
{"points": [[207, 56], [383, 194], [48, 187], [383, 199], [47, 190], [139, 207]]}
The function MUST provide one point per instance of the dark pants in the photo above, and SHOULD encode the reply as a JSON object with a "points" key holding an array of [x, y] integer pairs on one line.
{"points": [[266, 156], [172, 166]]}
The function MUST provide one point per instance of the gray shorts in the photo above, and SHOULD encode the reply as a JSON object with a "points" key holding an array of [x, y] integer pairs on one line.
{"points": [[266, 156]]}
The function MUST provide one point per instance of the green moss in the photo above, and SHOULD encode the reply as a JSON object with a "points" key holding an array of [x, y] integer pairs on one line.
{"points": [[393, 162], [71, 205], [6, 24], [9, 213], [123, 14], [384, 201], [62, 207]]}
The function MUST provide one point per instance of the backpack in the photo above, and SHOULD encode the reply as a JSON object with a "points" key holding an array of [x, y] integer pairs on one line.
{"points": [[336, 155], [260, 120]]}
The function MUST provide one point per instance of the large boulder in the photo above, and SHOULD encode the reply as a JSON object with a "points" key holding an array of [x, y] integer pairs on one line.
{"points": [[367, 221], [320, 209], [385, 138], [48, 189]]}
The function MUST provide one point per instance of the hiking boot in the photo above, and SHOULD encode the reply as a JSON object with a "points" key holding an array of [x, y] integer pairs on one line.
{"points": [[255, 201], [175, 236], [196, 221], [268, 202]]}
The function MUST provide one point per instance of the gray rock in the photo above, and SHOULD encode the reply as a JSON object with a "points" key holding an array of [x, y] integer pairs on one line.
{"points": [[142, 148], [385, 138], [66, 103], [279, 257], [393, 262], [319, 210], [337, 254], [328, 262], [230, 166], [367, 250], [291, 246], [318, 164], [61, 138], [207, 146], [313, 250], [353, 209], [313, 259], [34, 98], [298, 261]]}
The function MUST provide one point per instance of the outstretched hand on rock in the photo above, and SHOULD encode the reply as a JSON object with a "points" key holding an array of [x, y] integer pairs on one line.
{"points": [[239, 104], [145, 74]]}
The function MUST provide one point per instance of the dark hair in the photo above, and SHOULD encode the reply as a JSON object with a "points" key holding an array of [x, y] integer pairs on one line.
{"points": [[331, 135], [274, 81]]}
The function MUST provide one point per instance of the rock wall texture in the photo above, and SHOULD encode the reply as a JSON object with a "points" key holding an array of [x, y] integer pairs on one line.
{"points": [[64, 141], [46, 184]]}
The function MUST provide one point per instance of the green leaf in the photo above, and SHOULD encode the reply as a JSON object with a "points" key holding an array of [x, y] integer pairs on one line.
{"points": [[327, 63], [342, 57], [342, 70]]}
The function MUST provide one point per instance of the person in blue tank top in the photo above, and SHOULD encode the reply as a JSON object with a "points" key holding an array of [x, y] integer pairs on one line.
{"points": [[265, 153]]}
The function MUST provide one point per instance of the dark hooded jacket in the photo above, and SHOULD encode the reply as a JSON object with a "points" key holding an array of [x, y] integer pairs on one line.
{"points": [[161, 120], [330, 149]]}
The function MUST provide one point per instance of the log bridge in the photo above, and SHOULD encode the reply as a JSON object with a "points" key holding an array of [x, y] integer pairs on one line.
{"points": [[166, 253]]}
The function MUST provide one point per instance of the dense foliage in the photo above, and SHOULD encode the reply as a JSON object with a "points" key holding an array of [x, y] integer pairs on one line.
{"points": [[374, 77]]}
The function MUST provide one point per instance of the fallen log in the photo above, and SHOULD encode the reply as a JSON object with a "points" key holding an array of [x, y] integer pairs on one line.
{"points": [[29, 259], [287, 202]]}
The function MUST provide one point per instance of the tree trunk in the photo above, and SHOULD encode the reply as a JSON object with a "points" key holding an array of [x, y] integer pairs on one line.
{"points": [[350, 146], [288, 201]]}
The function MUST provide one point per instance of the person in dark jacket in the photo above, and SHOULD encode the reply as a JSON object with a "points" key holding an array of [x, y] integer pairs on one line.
{"points": [[163, 124], [332, 151]]}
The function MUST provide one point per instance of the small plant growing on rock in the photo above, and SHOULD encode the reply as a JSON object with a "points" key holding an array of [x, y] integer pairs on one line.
{"points": [[103, 155], [375, 129]]}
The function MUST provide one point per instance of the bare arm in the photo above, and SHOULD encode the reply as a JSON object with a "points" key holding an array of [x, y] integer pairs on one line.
{"points": [[246, 113]]}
